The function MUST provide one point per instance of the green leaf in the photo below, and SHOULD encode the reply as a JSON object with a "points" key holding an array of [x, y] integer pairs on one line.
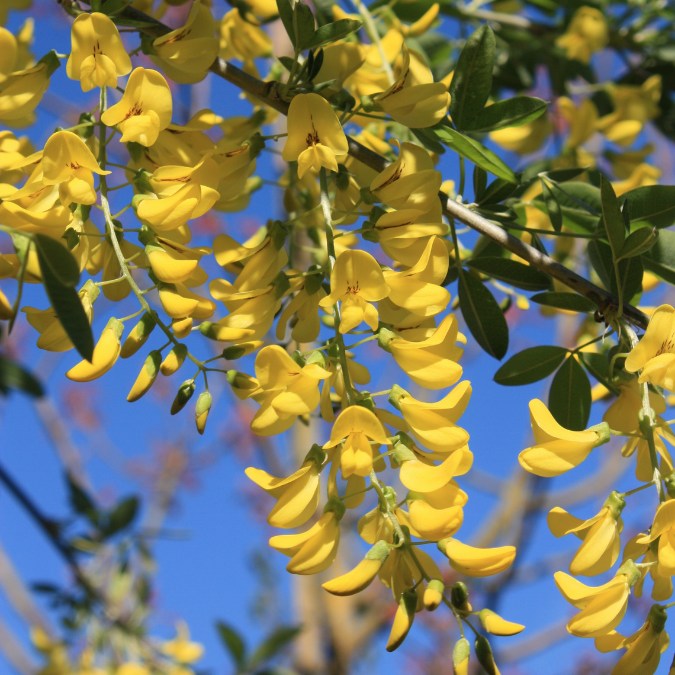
{"points": [[563, 175], [273, 644], [612, 219], [561, 300], [654, 204], [331, 32], [630, 270], [303, 25], [112, 7], [496, 192], [80, 501], [512, 272], [483, 316], [475, 152], [530, 365], [472, 81], [638, 242], [233, 643], [578, 195], [597, 364], [513, 112], [552, 205], [14, 376], [121, 516], [569, 398], [58, 258], [69, 311], [660, 259]]}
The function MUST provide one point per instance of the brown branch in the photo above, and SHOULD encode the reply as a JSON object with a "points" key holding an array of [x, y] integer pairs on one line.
{"points": [[268, 93]]}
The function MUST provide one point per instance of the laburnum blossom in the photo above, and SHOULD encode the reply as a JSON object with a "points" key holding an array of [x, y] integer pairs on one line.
{"points": [[315, 135], [70, 164], [429, 356], [22, 90], [556, 449], [313, 550], [181, 649], [359, 433], [663, 531], [288, 389], [97, 56], [356, 280], [643, 648], [602, 607], [474, 561], [435, 424], [360, 576], [600, 535], [662, 581], [414, 99], [144, 109], [179, 194], [434, 515], [420, 474], [586, 34], [185, 54], [497, 625], [171, 261], [297, 495], [654, 354], [304, 311], [623, 415]]}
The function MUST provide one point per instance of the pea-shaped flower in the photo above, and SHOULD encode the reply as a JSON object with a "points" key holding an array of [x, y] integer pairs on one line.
{"points": [[360, 432], [315, 135], [356, 281], [654, 355], [98, 56], [556, 449], [144, 109], [70, 164]]}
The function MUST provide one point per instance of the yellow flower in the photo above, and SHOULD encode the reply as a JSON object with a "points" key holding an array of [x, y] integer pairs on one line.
{"points": [[496, 625], [600, 536], [418, 289], [69, 163], [643, 648], [403, 619], [289, 390], [360, 576], [477, 562], [171, 261], [419, 474], [180, 193], [428, 356], [414, 99], [356, 429], [144, 109], [355, 281], [315, 549], [22, 91], [654, 355], [304, 307], [663, 530], [53, 337], [586, 34], [525, 138], [97, 56], [297, 495], [602, 607], [434, 424], [433, 515], [315, 135], [242, 39], [186, 54], [556, 449], [180, 649]]}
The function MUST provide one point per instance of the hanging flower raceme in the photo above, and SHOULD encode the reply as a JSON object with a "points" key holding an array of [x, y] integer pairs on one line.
{"points": [[600, 535], [556, 449], [315, 135], [144, 109], [359, 433], [356, 280], [654, 355], [602, 607], [97, 56]]}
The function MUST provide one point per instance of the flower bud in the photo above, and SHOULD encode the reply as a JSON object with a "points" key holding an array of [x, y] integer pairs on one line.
{"points": [[433, 594], [202, 410], [184, 394]]}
